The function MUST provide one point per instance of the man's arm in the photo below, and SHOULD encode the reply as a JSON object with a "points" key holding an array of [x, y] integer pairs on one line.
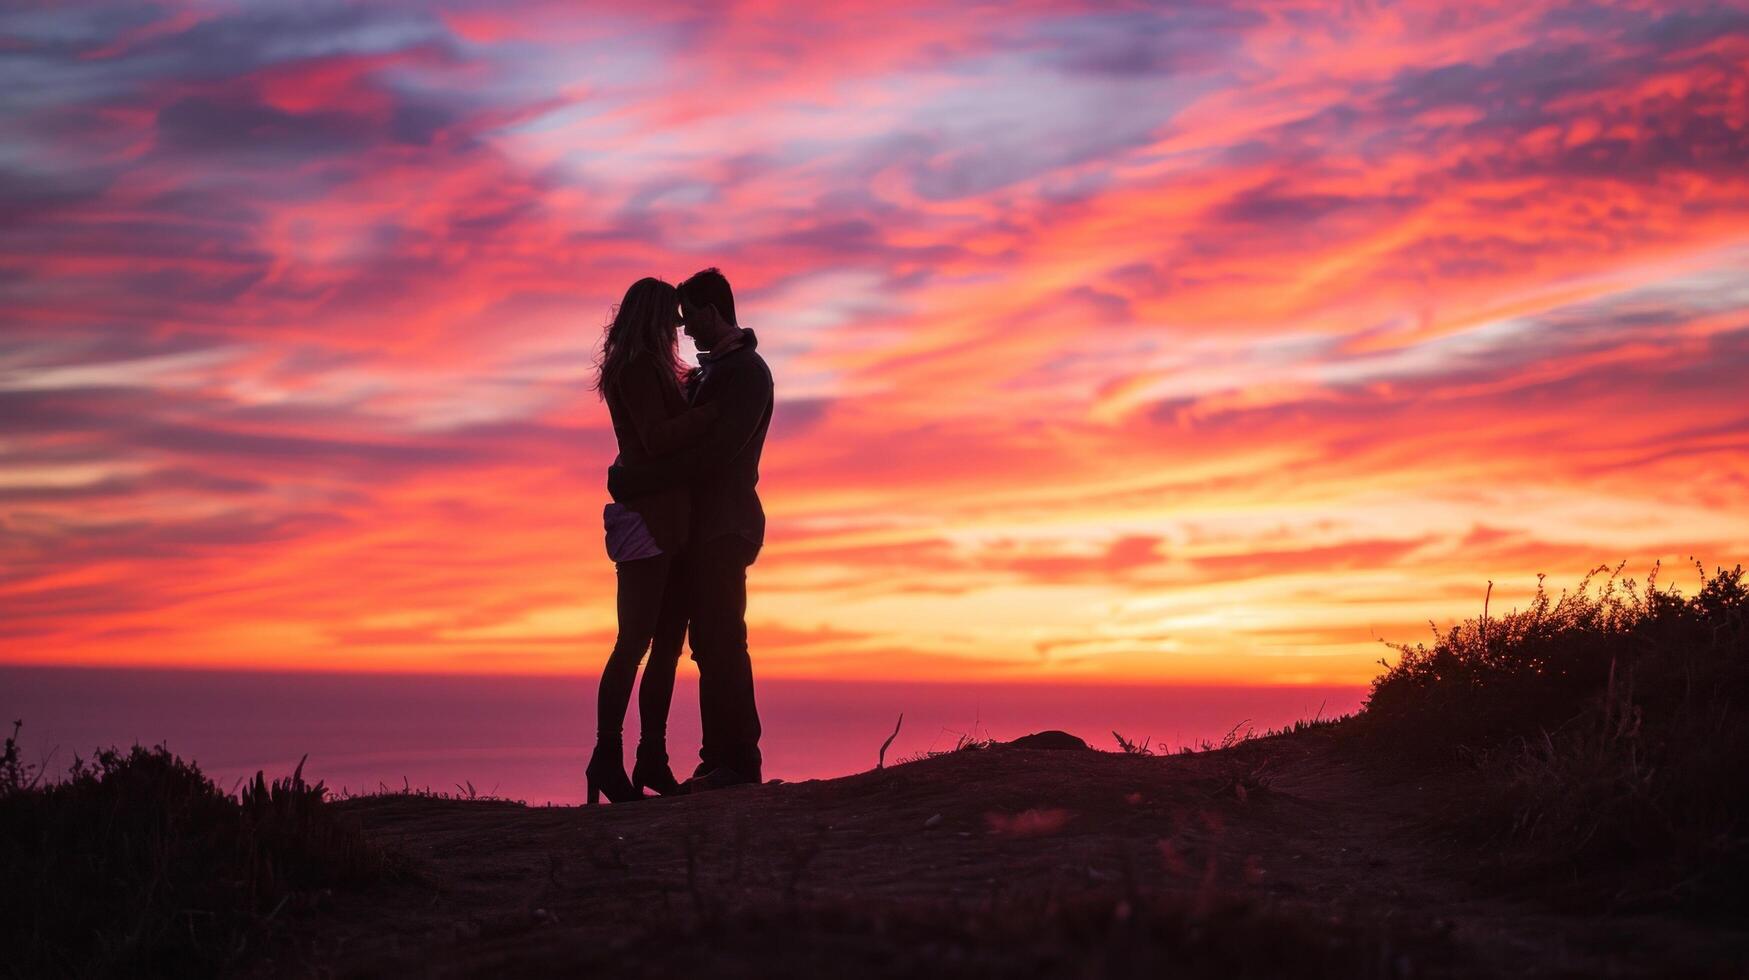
{"points": [[744, 396]]}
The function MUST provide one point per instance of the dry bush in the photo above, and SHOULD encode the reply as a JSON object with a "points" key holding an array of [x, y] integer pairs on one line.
{"points": [[1611, 725], [137, 864]]}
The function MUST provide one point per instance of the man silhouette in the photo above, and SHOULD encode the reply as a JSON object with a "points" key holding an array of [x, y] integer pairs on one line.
{"points": [[728, 524]]}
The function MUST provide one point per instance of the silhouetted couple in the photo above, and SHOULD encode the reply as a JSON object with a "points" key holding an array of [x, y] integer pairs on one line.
{"points": [[684, 525]]}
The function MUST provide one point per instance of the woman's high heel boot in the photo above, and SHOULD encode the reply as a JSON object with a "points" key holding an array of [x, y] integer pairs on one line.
{"points": [[651, 770], [606, 775]]}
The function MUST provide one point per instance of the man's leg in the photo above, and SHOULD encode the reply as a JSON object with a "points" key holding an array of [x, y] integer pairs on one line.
{"points": [[719, 644]]}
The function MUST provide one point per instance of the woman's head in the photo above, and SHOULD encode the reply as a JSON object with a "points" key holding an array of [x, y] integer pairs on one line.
{"points": [[642, 330]]}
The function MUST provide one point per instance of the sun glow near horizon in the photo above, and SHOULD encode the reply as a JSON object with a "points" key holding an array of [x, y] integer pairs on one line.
{"points": [[1205, 345]]}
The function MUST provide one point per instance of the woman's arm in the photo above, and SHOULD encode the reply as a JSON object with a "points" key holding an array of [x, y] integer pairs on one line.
{"points": [[660, 433]]}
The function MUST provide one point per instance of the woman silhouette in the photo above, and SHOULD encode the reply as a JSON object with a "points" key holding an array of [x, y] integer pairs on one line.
{"points": [[641, 379]]}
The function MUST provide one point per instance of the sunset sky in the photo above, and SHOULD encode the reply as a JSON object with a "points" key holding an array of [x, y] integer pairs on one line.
{"points": [[1204, 342]]}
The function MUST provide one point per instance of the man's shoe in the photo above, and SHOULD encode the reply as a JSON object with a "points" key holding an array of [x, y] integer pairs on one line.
{"points": [[721, 777]]}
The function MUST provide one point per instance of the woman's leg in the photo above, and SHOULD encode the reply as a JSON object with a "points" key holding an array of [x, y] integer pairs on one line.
{"points": [[657, 689], [656, 692], [642, 584]]}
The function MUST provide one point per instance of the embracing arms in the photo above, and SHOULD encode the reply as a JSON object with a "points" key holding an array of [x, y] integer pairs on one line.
{"points": [[741, 396], [658, 432]]}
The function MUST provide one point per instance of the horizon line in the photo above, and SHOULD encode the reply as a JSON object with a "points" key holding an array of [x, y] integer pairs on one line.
{"points": [[1011, 681]]}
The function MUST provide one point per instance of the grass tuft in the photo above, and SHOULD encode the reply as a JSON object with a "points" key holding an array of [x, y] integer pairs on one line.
{"points": [[1132, 747]]}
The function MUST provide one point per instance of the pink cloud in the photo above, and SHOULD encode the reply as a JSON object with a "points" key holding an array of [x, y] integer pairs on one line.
{"points": [[1100, 331]]}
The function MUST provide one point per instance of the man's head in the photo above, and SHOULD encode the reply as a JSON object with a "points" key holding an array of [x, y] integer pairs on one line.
{"points": [[708, 308]]}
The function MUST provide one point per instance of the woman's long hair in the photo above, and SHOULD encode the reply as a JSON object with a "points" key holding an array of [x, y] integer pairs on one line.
{"points": [[642, 331]]}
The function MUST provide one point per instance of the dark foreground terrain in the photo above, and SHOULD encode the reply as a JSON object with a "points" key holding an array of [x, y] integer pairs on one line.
{"points": [[1283, 856]]}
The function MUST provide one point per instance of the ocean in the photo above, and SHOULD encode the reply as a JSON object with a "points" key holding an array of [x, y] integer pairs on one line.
{"points": [[527, 738]]}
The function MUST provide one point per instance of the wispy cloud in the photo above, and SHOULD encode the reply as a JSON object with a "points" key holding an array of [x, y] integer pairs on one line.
{"points": [[1212, 342]]}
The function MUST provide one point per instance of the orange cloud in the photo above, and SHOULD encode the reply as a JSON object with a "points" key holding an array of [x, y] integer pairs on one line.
{"points": [[1205, 344]]}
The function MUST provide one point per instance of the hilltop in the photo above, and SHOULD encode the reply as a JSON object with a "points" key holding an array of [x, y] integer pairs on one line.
{"points": [[1292, 855]]}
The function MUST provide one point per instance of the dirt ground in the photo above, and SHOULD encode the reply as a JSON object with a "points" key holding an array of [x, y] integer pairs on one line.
{"points": [[1288, 856]]}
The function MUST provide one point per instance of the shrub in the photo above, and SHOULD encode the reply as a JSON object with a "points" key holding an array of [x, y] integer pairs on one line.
{"points": [[136, 863], [1612, 726]]}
